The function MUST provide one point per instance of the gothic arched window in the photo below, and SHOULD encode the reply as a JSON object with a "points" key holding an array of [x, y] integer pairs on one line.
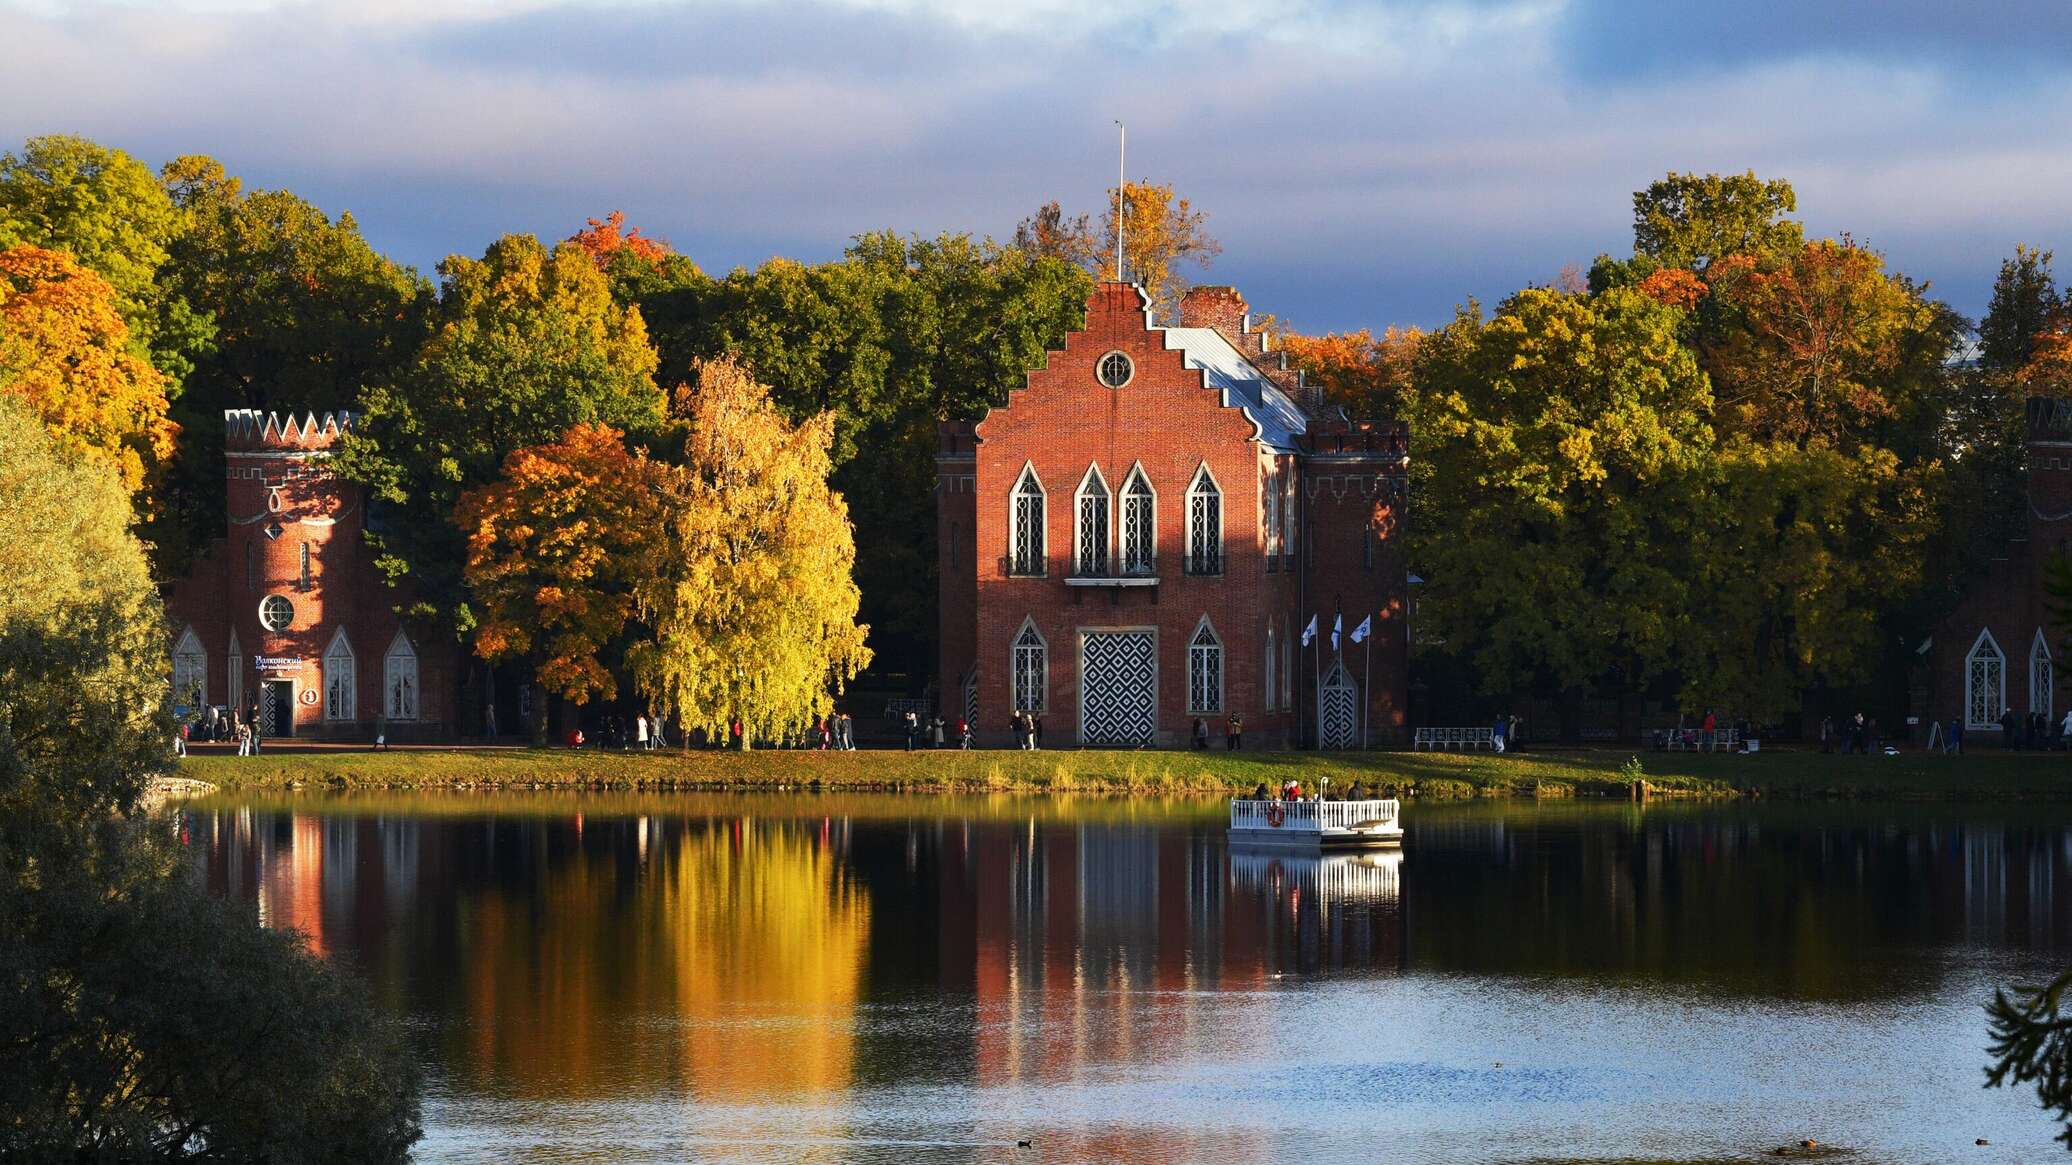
{"points": [[1204, 670], [1030, 669], [1204, 525], [1139, 525], [1091, 529], [340, 680], [399, 679], [1985, 683], [2042, 686], [190, 671], [1025, 549]]}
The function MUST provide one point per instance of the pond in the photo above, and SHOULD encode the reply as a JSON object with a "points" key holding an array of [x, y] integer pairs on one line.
{"points": [[594, 977]]}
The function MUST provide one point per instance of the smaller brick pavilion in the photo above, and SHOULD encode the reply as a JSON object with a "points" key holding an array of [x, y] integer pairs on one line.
{"points": [[1994, 652], [1135, 541], [286, 614]]}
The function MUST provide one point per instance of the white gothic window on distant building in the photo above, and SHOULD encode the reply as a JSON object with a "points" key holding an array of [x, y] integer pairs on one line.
{"points": [[2042, 682], [1025, 520], [1985, 683], [340, 680], [1204, 670], [399, 680], [190, 671], [1030, 669]]}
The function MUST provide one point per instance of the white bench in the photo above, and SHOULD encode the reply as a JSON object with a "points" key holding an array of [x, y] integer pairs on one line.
{"points": [[1453, 738]]}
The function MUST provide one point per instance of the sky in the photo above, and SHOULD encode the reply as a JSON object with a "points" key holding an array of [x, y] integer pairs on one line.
{"points": [[1363, 164]]}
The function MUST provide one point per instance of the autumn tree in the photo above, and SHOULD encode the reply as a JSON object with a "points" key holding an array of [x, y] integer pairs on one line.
{"points": [[899, 334], [1814, 342], [1164, 238], [111, 213], [605, 239], [2025, 305], [1358, 371], [65, 351], [555, 547], [525, 343], [751, 597]]}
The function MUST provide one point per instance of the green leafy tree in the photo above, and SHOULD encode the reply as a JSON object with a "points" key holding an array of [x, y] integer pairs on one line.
{"points": [[306, 313], [524, 344], [2026, 303], [141, 1020], [1693, 220], [1555, 440], [751, 596], [111, 212]]}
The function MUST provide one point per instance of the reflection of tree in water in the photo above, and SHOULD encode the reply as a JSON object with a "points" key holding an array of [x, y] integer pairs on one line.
{"points": [[1809, 904], [767, 938]]}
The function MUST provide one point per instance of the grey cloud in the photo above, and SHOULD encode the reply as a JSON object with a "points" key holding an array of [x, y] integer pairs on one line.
{"points": [[1349, 187]]}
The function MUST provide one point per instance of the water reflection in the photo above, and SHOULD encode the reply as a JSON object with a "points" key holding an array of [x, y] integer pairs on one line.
{"points": [[833, 977]]}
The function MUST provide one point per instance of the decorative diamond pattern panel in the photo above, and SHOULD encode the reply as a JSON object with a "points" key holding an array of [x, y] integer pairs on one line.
{"points": [[1338, 714], [1118, 688]]}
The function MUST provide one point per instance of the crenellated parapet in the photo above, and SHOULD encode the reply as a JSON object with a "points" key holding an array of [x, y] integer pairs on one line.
{"points": [[256, 430]]}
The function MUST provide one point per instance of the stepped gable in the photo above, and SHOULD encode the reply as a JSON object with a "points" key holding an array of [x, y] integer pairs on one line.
{"points": [[253, 429]]}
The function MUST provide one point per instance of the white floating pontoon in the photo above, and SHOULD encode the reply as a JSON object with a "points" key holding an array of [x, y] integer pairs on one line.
{"points": [[1315, 824]]}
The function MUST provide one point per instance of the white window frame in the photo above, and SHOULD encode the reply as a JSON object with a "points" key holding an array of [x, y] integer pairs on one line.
{"points": [[1093, 494], [337, 710], [1015, 648], [267, 626], [1998, 663], [190, 678], [400, 648], [1038, 539], [1270, 511], [1198, 654], [1291, 519], [1202, 475], [2042, 677], [1149, 499]]}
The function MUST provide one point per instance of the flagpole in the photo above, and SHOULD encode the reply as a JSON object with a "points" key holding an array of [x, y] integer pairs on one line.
{"points": [[1366, 697], [1316, 648]]}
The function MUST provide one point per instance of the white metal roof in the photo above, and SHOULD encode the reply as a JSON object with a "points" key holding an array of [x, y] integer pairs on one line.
{"points": [[1277, 419]]}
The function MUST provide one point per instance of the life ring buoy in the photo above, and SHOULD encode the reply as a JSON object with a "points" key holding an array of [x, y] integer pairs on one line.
{"points": [[1275, 814], [309, 697]]}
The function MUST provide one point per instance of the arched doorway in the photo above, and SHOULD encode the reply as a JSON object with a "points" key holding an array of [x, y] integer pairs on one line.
{"points": [[1338, 710]]}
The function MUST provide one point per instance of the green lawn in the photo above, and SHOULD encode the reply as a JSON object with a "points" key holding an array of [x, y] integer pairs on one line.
{"points": [[1993, 776]]}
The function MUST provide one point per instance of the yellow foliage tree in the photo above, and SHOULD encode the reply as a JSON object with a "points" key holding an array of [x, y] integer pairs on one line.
{"points": [[64, 350], [752, 597], [554, 545], [1162, 235]]}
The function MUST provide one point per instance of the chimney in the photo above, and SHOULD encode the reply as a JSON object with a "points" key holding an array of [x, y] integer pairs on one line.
{"points": [[1223, 309]]}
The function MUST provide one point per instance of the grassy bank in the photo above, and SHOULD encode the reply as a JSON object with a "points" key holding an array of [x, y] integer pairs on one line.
{"points": [[1428, 775]]}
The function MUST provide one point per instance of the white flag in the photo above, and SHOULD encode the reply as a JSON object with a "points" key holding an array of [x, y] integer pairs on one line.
{"points": [[1361, 632], [1309, 633], [1337, 629]]}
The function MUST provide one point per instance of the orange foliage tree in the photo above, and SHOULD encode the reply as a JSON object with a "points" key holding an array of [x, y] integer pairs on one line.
{"points": [[554, 546], [1814, 341], [604, 241], [1363, 373], [65, 350]]}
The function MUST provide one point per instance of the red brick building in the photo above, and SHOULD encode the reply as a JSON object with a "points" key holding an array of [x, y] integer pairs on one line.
{"points": [[286, 612], [1137, 539], [1995, 651]]}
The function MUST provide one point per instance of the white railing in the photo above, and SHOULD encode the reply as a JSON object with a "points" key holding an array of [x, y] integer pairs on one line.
{"points": [[1457, 738], [1695, 739], [1365, 879], [1311, 816]]}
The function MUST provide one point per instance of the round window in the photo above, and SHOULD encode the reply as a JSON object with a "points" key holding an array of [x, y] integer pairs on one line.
{"points": [[276, 613], [1115, 370]]}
